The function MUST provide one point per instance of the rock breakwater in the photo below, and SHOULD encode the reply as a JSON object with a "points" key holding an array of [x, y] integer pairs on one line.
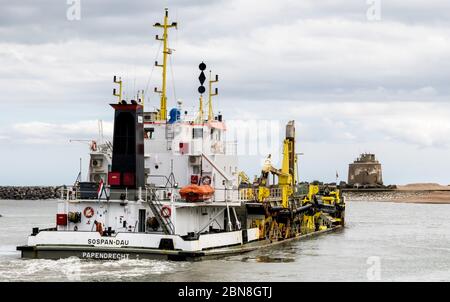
{"points": [[28, 193]]}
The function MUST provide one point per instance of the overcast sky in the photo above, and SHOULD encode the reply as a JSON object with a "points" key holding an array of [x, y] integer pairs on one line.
{"points": [[352, 82]]}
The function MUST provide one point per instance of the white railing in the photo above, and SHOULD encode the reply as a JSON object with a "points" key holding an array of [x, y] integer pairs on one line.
{"points": [[248, 194], [161, 193], [230, 147]]}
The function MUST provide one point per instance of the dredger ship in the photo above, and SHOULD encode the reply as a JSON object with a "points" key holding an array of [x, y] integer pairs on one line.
{"points": [[169, 187]]}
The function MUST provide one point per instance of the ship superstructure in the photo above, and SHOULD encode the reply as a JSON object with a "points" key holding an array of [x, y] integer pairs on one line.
{"points": [[173, 189]]}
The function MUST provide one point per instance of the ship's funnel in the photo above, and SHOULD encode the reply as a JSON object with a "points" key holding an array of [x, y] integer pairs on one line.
{"points": [[127, 169]]}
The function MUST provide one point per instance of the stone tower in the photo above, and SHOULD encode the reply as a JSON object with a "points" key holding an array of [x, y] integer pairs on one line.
{"points": [[365, 170]]}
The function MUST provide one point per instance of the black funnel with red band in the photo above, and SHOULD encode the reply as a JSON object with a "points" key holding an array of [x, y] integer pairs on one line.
{"points": [[127, 170]]}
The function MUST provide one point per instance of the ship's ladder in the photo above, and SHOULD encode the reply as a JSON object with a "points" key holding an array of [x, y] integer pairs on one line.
{"points": [[156, 207], [170, 135]]}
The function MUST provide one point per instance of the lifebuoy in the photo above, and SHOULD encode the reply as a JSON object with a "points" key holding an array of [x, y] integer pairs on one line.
{"points": [[88, 212], [206, 180], [166, 211]]}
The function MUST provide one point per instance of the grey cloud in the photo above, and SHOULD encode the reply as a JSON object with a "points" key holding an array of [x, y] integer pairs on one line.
{"points": [[329, 46], [45, 20], [319, 62], [114, 20]]}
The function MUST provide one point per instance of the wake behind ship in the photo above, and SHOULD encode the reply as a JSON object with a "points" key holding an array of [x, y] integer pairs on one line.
{"points": [[169, 187]]}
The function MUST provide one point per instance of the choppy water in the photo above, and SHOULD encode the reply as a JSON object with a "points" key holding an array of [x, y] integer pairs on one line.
{"points": [[407, 242]]}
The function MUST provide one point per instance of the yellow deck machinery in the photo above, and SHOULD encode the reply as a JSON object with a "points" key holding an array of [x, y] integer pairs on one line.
{"points": [[283, 208]]}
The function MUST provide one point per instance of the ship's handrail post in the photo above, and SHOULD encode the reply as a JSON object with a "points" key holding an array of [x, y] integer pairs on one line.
{"points": [[238, 223], [230, 226], [225, 195], [172, 208]]}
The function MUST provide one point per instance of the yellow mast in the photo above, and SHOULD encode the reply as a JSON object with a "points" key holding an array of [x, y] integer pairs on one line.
{"points": [[210, 107], [166, 51], [118, 95], [200, 110]]}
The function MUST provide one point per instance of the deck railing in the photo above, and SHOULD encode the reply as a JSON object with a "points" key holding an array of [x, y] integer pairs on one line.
{"points": [[161, 193], [249, 194]]}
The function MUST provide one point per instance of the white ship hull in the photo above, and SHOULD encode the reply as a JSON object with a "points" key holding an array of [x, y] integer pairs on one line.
{"points": [[89, 245]]}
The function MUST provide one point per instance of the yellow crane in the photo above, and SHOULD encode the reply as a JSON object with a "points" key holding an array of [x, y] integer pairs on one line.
{"points": [[243, 179], [286, 174], [284, 208]]}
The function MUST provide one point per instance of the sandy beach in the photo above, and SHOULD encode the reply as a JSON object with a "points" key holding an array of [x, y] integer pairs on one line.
{"points": [[431, 193]]}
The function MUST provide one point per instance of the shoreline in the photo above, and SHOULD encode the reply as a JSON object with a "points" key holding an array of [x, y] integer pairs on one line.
{"points": [[420, 193], [401, 196]]}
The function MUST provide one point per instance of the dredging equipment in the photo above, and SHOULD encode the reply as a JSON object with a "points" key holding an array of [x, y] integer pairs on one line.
{"points": [[169, 187]]}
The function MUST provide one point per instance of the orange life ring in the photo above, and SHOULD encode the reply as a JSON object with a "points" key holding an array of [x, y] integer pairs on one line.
{"points": [[166, 211], [88, 212]]}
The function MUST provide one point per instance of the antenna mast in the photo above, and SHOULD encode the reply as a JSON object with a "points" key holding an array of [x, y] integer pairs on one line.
{"points": [[118, 95], [210, 107], [166, 51]]}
